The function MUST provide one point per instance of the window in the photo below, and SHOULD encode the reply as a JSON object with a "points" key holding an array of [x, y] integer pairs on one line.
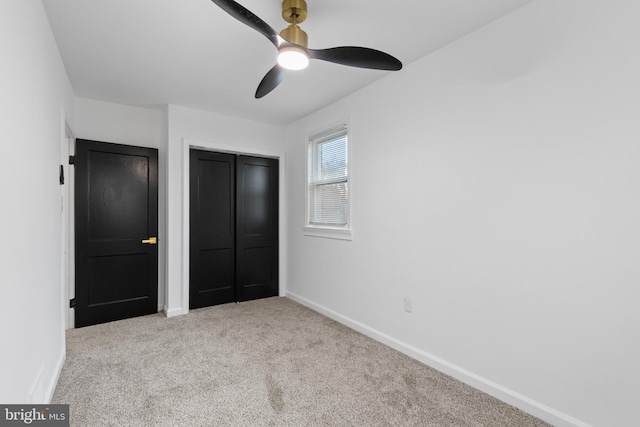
{"points": [[328, 210]]}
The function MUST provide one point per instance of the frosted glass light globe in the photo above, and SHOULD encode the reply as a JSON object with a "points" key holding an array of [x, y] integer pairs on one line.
{"points": [[293, 58]]}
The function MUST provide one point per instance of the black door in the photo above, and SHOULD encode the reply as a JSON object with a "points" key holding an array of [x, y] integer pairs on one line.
{"points": [[116, 216], [233, 228], [212, 223], [256, 228]]}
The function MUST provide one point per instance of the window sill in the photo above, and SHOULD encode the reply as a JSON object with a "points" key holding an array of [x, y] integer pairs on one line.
{"points": [[328, 233]]}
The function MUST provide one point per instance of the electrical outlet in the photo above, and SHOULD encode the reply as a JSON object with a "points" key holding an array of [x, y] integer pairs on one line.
{"points": [[407, 304]]}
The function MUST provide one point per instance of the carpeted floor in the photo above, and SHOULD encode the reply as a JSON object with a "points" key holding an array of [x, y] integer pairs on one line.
{"points": [[270, 362]]}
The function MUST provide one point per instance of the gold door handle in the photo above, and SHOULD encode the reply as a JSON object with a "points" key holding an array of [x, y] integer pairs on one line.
{"points": [[151, 241]]}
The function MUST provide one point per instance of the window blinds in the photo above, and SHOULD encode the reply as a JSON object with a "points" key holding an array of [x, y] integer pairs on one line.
{"points": [[327, 195]]}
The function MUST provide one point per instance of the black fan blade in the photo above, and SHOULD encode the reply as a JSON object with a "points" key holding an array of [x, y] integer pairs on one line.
{"points": [[247, 17], [271, 80], [361, 57]]}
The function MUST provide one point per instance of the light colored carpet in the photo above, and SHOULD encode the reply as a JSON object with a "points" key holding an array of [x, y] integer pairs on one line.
{"points": [[270, 362]]}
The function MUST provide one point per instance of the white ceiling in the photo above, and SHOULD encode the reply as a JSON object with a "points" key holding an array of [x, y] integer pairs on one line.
{"points": [[192, 53]]}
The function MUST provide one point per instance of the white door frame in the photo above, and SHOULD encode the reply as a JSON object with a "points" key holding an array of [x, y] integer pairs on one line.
{"points": [[187, 144], [68, 224]]}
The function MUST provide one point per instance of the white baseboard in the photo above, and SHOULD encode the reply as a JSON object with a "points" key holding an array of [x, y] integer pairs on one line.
{"points": [[178, 311], [504, 394], [56, 376]]}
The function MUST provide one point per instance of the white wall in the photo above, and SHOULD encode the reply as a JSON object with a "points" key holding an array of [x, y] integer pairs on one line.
{"points": [[168, 130], [129, 125], [496, 183], [36, 95], [210, 131]]}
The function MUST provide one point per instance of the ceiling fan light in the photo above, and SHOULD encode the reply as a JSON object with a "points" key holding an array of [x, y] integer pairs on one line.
{"points": [[293, 58]]}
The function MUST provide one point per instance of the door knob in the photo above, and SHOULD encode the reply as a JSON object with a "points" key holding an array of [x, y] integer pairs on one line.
{"points": [[151, 241]]}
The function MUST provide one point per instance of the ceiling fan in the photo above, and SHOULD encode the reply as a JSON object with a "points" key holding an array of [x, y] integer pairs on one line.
{"points": [[293, 53]]}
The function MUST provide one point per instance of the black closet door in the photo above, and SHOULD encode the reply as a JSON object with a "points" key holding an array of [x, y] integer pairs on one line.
{"points": [[256, 228], [212, 229], [233, 228]]}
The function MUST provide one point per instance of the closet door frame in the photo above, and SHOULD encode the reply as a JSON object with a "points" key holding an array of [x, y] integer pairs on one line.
{"points": [[187, 145]]}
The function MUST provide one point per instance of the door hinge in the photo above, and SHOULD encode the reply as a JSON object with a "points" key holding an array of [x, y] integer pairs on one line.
{"points": [[72, 303], [72, 160]]}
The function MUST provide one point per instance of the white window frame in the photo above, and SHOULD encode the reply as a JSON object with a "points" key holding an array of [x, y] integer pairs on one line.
{"points": [[333, 232]]}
